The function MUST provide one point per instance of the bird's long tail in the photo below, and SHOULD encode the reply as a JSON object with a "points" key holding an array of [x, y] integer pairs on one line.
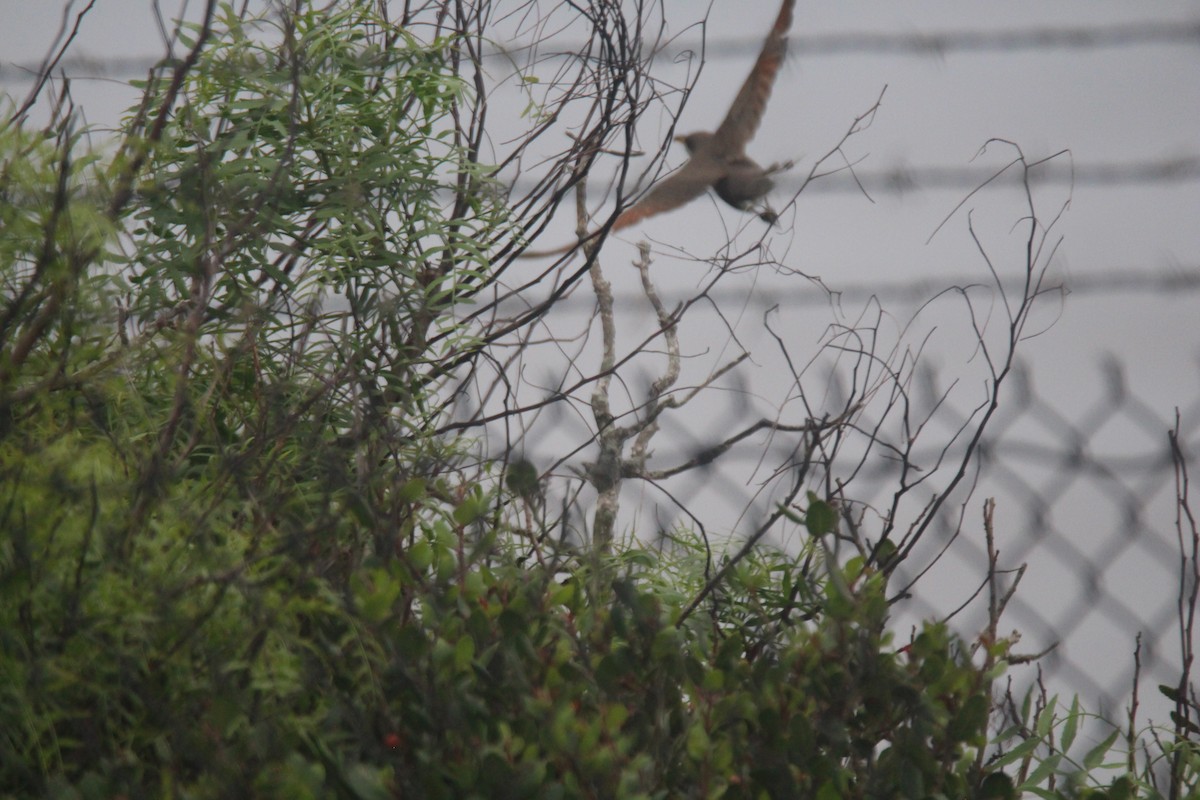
{"points": [[558, 251]]}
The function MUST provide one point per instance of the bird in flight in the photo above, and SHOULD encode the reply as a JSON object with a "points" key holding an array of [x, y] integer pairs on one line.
{"points": [[718, 159]]}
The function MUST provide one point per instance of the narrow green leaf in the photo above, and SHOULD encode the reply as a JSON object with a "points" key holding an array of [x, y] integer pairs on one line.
{"points": [[998, 669], [1184, 724], [1070, 726], [1042, 771], [1017, 753], [1170, 692], [1045, 720], [1096, 755]]}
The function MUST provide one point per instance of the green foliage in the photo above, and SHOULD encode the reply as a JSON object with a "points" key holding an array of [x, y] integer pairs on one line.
{"points": [[1049, 757], [178, 671]]}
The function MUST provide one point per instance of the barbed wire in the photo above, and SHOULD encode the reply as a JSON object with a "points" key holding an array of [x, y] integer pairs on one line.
{"points": [[925, 44], [1165, 280], [902, 179], [917, 44]]}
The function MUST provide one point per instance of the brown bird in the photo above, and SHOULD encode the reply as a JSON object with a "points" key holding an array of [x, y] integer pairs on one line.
{"points": [[718, 160]]}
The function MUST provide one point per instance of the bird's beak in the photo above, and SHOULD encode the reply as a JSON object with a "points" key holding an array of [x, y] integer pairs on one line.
{"points": [[679, 137]]}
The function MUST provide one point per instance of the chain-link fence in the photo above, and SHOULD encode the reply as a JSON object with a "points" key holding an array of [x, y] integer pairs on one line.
{"points": [[1090, 502], [1086, 499]]}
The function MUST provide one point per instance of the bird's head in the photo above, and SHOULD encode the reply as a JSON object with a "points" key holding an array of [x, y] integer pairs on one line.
{"points": [[694, 141]]}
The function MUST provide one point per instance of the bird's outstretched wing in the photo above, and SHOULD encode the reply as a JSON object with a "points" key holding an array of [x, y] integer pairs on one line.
{"points": [[741, 123], [677, 189]]}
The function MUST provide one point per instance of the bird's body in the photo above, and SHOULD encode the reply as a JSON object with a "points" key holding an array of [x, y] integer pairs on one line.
{"points": [[741, 181], [718, 159]]}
